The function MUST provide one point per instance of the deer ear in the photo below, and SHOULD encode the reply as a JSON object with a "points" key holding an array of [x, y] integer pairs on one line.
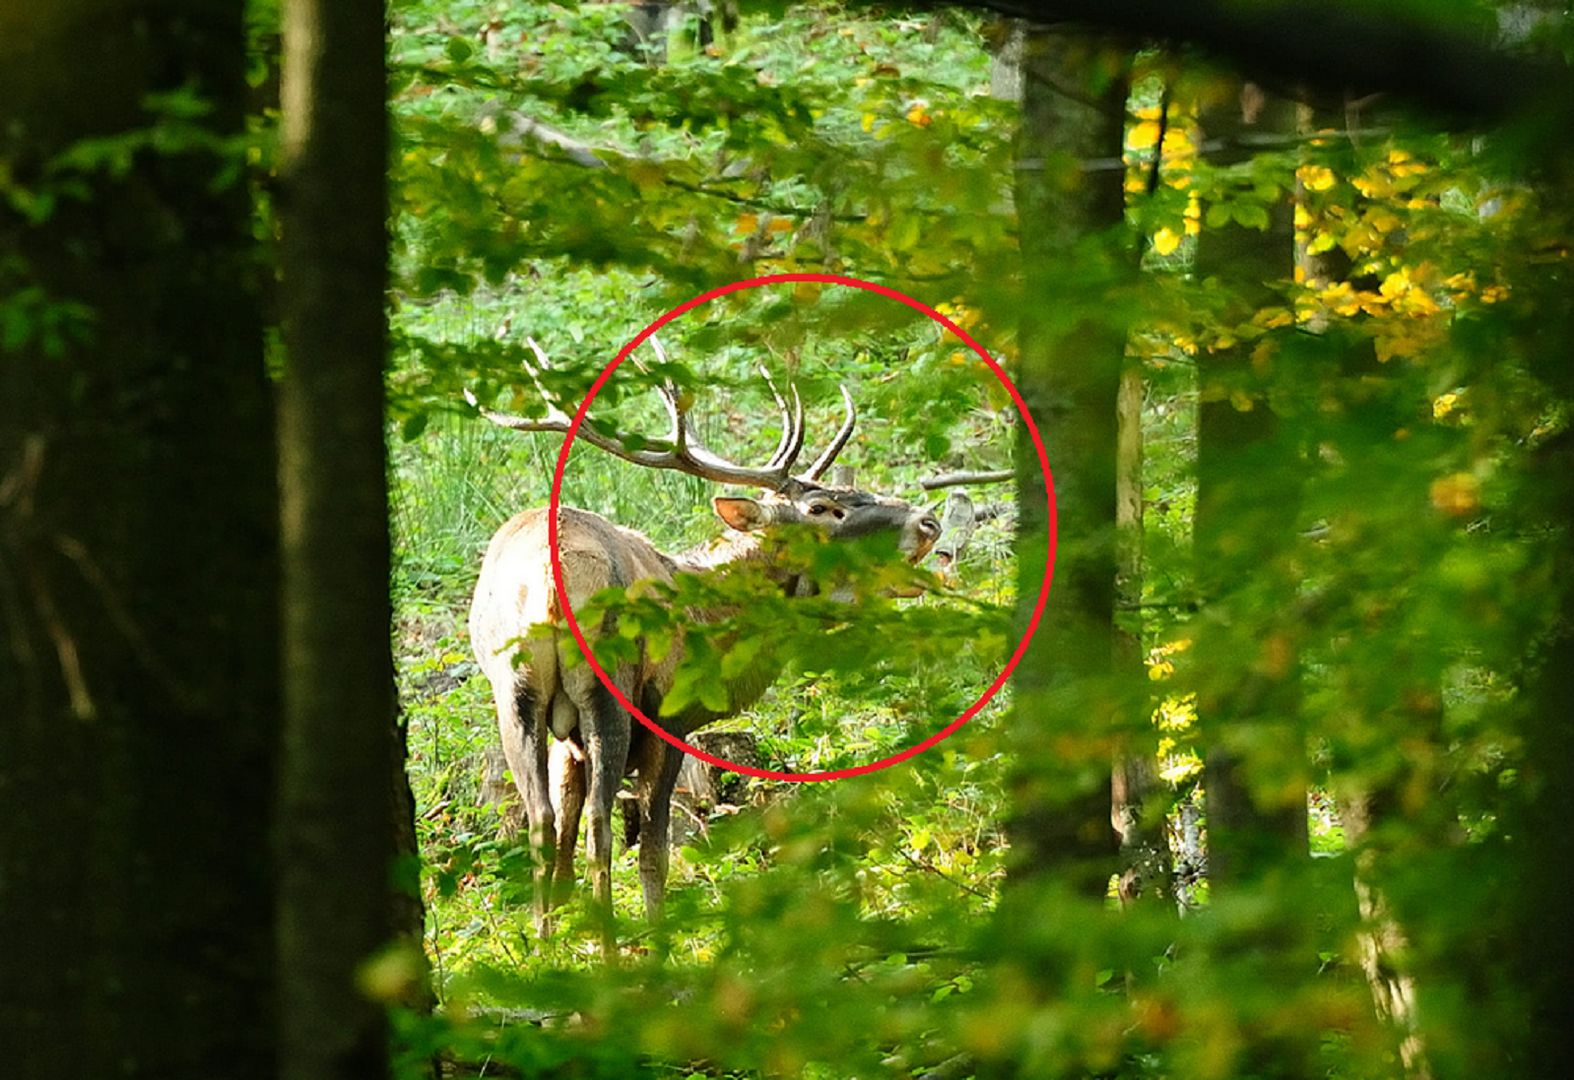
{"points": [[742, 514]]}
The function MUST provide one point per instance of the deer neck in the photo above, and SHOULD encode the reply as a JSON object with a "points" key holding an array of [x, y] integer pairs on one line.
{"points": [[737, 548], [715, 556]]}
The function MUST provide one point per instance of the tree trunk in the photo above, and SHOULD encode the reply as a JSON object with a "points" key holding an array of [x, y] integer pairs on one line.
{"points": [[343, 780], [1539, 940], [1248, 486], [1145, 855], [138, 554], [1363, 806], [1075, 253]]}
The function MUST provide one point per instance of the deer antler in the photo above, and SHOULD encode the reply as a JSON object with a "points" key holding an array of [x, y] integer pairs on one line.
{"points": [[828, 455], [684, 451]]}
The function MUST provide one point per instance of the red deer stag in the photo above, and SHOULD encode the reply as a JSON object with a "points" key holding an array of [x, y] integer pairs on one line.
{"points": [[542, 691]]}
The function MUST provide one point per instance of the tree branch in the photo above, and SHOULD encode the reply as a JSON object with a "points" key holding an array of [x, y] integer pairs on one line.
{"points": [[1332, 47], [957, 479]]}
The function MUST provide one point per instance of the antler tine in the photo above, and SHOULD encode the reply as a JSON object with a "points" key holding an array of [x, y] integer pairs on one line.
{"points": [[668, 392], [827, 456], [799, 429], [779, 459], [555, 419]]}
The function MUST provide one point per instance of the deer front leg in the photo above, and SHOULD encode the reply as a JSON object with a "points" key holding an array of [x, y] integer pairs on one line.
{"points": [[522, 725]]}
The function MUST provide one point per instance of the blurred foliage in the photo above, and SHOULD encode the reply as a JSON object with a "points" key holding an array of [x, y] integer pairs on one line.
{"points": [[861, 928]]}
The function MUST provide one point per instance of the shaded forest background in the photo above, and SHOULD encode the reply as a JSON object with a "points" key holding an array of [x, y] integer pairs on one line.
{"points": [[1280, 788]]}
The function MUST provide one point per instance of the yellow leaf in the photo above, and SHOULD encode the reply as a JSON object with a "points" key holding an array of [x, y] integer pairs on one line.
{"points": [[746, 223], [1383, 221], [1166, 241], [1144, 135], [1374, 185], [919, 115], [1316, 177], [1177, 141], [1395, 284], [1444, 404], [1180, 767], [1323, 241], [868, 121]]}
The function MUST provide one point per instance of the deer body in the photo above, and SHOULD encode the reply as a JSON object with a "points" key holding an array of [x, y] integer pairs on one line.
{"points": [[543, 692]]}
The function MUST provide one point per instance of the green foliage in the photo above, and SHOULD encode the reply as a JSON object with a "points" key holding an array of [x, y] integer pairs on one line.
{"points": [[863, 928]]}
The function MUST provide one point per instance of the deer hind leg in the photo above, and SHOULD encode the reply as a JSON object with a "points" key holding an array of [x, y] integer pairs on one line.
{"points": [[567, 766], [658, 773], [522, 724], [604, 727]]}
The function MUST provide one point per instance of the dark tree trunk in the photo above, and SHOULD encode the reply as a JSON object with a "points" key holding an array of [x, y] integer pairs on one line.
{"points": [[1075, 255], [1248, 483], [138, 553], [344, 799], [1540, 939]]}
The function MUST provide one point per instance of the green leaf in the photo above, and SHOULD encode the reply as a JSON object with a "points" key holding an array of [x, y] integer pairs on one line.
{"points": [[738, 658], [713, 695], [1252, 216], [459, 50], [682, 694]]}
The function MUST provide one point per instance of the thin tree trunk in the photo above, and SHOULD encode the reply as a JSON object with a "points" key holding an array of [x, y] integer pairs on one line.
{"points": [[1074, 256], [1382, 940], [138, 565], [1145, 856], [337, 840]]}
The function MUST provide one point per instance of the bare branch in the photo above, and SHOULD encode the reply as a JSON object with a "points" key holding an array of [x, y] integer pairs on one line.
{"points": [[957, 479]]}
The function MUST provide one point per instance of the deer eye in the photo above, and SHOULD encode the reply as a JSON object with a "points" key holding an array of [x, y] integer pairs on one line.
{"points": [[817, 509]]}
